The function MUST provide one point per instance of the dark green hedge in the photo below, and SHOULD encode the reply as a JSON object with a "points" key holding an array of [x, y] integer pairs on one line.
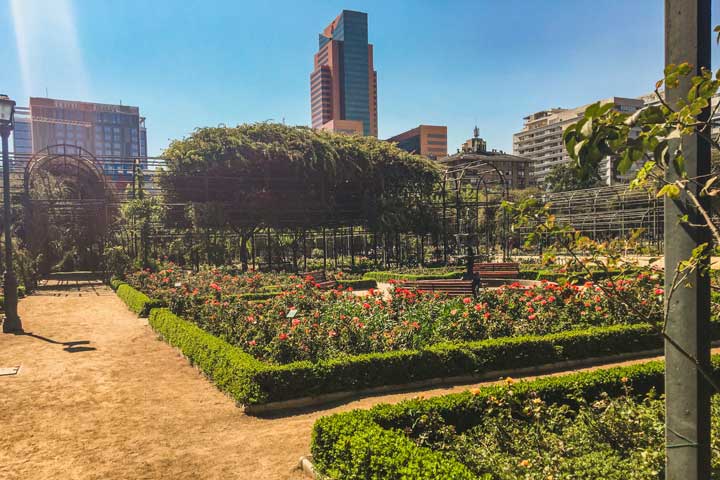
{"points": [[272, 383], [137, 301], [116, 282], [344, 446], [228, 367], [385, 276], [360, 284], [266, 295]]}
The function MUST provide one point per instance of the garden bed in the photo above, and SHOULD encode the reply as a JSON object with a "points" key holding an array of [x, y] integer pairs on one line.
{"points": [[302, 346], [438, 437]]}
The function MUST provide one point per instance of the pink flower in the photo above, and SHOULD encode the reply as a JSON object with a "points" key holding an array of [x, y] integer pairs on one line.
{"points": [[252, 343], [366, 305], [283, 336], [478, 307], [215, 287], [453, 311], [467, 300], [659, 291], [332, 333], [486, 315], [532, 317], [295, 322]]}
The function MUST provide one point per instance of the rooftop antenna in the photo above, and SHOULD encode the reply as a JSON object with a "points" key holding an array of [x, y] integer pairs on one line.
{"points": [[476, 132], [47, 95]]}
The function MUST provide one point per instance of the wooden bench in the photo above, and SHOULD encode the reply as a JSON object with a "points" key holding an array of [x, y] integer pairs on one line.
{"points": [[453, 288], [320, 279], [497, 270]]}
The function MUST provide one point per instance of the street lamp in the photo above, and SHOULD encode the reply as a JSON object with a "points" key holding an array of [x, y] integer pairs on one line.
{"points": [[12, 321]]}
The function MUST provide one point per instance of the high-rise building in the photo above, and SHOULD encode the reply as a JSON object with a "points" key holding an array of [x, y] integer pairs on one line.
{"points": [[112, 133], [427, 140], [22, 133], [343, 84], [541, 138]]}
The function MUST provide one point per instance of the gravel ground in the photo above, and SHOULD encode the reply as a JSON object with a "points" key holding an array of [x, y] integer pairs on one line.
{"points": [[98, 396]]}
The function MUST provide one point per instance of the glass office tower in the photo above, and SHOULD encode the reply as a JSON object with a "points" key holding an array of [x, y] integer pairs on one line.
{"points": [[343, 85]]}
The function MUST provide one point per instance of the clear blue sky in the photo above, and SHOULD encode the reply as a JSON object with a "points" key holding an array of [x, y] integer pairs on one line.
{"points": [[195, 63]]}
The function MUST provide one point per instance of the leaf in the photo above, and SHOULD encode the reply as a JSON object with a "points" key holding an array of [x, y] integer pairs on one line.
{"points": [[679, 164], [587, 128], [658, 84], [669, 190]]}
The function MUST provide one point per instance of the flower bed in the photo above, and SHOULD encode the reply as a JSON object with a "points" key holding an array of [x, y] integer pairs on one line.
{"points": [[250, 381], [306, 342], [286, 319], [460, 436]]}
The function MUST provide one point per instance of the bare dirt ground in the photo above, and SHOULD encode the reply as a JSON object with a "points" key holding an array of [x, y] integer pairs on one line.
{"points": [[98, 396]]}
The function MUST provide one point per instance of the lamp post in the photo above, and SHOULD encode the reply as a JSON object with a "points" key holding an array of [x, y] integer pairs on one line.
{"points": [[12, 321]]}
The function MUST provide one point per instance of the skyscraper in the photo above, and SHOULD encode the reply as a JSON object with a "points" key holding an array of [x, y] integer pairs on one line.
{"points": [[343, 84]]}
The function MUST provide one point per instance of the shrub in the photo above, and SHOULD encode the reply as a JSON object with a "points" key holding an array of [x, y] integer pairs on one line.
{"points": [[385, 276], [228, 367], [361, 284], [137, 301], [271, 383], [116, 282], [337, 453]]}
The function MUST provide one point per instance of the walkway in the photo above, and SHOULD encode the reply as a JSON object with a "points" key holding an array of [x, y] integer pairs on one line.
{"points": [[98, 396]]}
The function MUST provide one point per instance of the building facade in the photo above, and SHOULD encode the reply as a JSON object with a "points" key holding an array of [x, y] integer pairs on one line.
{"points": [[114, 134], [427, 140], [514, 171], [343, 84], [541, 138]]}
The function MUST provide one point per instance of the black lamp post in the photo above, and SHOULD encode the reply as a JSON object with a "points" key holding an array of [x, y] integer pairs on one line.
{"points": [[12, 321]]}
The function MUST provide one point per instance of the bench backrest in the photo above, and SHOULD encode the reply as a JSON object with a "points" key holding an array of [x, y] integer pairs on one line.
{"points": [[496, 267], [451, 287], [318, 276]]}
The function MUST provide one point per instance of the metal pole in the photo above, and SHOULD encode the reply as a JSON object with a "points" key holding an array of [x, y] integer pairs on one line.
{"points": [[12, 321], [687, 404]]}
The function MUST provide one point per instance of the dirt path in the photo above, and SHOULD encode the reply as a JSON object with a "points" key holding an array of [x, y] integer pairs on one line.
{"points": [[99, 397]]}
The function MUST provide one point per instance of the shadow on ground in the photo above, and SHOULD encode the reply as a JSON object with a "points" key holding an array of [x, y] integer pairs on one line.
{"points": [[70, 347]]}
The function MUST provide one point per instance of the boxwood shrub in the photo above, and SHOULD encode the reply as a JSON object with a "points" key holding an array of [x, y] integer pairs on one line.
{"points": [[272, 383], [359, 284], [116, 282], [344, 445], [137, 301], [385, 276]]}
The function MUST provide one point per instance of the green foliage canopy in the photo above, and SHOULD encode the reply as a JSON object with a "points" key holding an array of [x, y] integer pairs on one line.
{"points": [[273, 175]]}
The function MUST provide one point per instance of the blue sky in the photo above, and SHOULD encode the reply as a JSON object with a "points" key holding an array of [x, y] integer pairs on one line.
{"points": [[196, 63]]}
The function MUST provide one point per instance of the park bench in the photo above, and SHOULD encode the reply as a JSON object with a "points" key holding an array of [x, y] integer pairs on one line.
{"points": [[496, 270], [454, 288], [320, 279]]}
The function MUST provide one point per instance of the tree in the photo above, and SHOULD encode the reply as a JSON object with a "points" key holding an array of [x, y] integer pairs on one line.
{"points": [[571, 176], [271, 175]]}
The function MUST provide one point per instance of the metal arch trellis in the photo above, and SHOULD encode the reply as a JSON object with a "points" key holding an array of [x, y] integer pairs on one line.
{"points": [[485, 174], [460, 196]]}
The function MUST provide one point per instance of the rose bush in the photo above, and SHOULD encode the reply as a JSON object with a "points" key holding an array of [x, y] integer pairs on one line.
{"points": [[303, 322]]}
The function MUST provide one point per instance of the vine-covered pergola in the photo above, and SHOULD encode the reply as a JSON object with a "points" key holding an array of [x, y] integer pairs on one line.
{"points": [[289, 213]]}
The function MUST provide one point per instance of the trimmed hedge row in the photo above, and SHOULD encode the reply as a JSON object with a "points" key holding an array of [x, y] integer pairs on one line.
{"points": [[116, 282], [344, 445], [271, 383], [360, 284], [137, 301], [385, 276], [266, 295], [228, 367]]}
